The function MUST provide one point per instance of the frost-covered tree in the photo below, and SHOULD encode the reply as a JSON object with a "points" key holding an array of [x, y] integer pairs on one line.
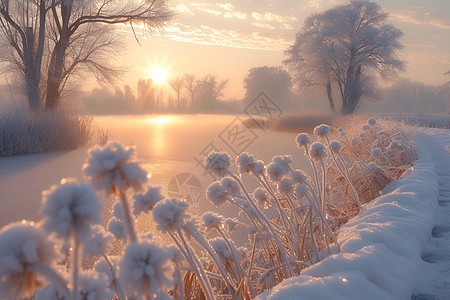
{"points": [[61, 38], [347, 47], [274, 81], [22, 26], [72, 17]]}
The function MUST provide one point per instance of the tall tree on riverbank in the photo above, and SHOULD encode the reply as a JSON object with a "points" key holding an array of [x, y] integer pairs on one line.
{"points": [[22, 25], [345, 47], [69, 35]]}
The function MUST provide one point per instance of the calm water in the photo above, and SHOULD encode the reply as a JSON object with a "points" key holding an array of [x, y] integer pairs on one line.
{"points": [[168, 146], [171, 146]]}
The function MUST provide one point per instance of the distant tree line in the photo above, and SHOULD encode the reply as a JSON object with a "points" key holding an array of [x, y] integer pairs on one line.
{"points": [[191, 95]]}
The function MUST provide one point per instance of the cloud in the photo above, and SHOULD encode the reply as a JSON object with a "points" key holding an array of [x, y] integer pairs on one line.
{"points": [[210, 11], [226, 6], [437, 19], [226, 10], [207, 35], [268, 16], [183, 8], [264, 25], [427, 58], [235, 14]]}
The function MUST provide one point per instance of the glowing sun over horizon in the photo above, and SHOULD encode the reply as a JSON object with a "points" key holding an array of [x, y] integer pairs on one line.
{"points": [[159, 74]]}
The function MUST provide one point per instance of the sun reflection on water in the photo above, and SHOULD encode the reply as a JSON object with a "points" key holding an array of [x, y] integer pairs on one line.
{"points": [[160, 119]]}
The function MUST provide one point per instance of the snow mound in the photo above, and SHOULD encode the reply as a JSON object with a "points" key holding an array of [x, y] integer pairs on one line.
{"points": [[381, 247]]}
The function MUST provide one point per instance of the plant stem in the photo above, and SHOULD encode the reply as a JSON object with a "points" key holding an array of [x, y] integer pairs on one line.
{"points": [[266, 224], [75, 266], [116, 283], [129, 221]]}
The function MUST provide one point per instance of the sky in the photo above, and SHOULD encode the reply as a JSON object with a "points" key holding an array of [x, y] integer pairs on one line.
{"points": [[227, 38]]}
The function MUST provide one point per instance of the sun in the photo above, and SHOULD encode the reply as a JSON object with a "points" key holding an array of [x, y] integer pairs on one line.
{"points": [[159, 74]]}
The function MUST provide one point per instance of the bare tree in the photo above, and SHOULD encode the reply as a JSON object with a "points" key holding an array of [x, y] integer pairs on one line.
{"points": [[70, 17], [346, 46], [22, 24], [146, 94], [189, 82], [177, 85], [207, 90]]}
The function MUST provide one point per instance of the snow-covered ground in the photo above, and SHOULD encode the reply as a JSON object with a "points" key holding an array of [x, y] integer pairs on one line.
{"points": [[398, 246]]}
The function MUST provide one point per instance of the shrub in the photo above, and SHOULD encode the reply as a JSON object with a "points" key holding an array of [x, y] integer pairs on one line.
{"points": [[23, 131]]}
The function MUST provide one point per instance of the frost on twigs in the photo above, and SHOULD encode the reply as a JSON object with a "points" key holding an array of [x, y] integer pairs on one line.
{"points": [[25, 254], [114, 165]]}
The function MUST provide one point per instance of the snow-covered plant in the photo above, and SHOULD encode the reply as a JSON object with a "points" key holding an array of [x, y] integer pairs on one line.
{"points": [[218, 163], [291, 219], [26, 259], [145, 269]]}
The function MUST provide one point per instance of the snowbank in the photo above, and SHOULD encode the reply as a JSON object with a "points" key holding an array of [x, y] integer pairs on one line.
{"points": [[381, 247]]}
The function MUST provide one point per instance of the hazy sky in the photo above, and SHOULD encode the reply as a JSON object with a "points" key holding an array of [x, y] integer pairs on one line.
{"points": [[227, 38]]}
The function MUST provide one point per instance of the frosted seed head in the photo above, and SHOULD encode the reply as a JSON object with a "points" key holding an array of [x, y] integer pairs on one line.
{"points": [[284, 160], [335, 146], [211, 220], [218, 163], [298, 176], [276, 171], [145, 202], [317, 151], [98, 242], [217, 194], [114, 166], [170, 215], [261, 196], [285, 186], [322, 130], [118, 229], [248, 164], [146, 266], [24, 249], [230, 186], [70, 207], [394, 145], [376, 152], [372, 166], [303, 140]]}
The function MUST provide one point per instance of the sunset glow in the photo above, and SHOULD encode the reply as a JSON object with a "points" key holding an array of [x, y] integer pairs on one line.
{"points": [[159, 74]]}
